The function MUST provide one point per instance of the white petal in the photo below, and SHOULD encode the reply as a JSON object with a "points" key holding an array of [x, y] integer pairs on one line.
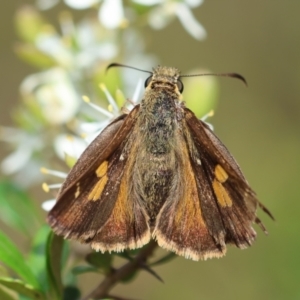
{"points": [[90, 136], [158, 18], [70, 145], [91, 128], [147, 2], [48, 205], [52, 44], [16, 160], [193, 3], [111, 13], [81, 4], [92, 54], [189, 22]]}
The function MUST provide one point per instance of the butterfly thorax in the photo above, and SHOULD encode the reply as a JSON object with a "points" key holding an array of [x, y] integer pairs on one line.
{"points": [[158, 124]]}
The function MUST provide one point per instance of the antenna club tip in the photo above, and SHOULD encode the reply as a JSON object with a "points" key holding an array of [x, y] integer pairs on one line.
{"points": [[238, 76], [111, 66]]}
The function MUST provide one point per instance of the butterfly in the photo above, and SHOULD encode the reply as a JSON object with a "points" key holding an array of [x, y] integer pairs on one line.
{"points": [[158, 172]]}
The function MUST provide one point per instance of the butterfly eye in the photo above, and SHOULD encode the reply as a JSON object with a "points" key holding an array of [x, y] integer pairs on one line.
{"points": [[180, 86], [148, 80]]}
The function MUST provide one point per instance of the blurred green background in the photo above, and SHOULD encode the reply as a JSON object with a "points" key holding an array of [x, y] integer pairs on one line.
{"points": [[259, 124]]}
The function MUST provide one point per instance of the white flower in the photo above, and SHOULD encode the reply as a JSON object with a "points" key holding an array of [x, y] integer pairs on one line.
{"points": [[81, 4], [91, 129], [55, 93], [111, 13], [161, 15], [66, 144], [189, 22], [19, 162]]}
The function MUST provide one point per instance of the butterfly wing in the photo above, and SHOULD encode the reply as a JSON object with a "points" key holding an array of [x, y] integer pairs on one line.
{"points": [[212, 204], [94, 204]]}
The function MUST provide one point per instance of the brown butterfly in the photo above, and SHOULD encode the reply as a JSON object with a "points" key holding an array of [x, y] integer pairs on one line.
{"points": [[158, 172]]}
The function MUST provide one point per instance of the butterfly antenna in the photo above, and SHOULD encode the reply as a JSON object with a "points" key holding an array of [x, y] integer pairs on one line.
{"points": [[112, 65], [232, 75]]}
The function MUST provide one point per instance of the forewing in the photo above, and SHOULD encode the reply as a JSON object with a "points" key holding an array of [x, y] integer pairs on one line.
{"points": [[94, 194], [231, 202]]}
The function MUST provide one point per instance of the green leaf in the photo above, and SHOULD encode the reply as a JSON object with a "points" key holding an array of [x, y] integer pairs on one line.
{"points": [[164, 259], [37, 259], [124, 255], [128, 254], [22, 288], [84, 269], [130, 276], [17, 208], [54, 258], [102, 261], [11, 257]]}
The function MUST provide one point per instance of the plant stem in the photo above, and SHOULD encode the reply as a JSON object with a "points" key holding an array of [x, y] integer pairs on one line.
{"points": [[113, 278]]}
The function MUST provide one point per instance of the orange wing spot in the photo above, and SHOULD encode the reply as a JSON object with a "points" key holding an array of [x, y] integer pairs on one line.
{"points": [[221, 194], [98, 189], [220, 173], [101, 171]]}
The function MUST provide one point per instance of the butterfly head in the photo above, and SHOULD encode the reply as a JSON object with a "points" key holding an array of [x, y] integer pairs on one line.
{"points": [[166, 78]]}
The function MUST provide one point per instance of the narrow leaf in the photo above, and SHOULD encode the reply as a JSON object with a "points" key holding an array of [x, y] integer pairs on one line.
{"points": [[164, 259], [17, 208], [11, 257], [54, 255], [84, 269], [130, 276], [37, 259], [102, 261], [22, 288]]}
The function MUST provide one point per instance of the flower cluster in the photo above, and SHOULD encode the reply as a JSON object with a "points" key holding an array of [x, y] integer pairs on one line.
{"points": [[52, 118], [113, 14]]}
